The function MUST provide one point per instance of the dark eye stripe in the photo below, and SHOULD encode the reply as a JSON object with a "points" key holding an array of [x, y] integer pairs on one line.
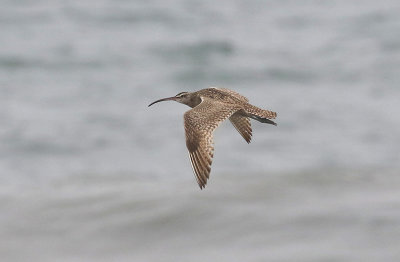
{"points": [[181, 94]]}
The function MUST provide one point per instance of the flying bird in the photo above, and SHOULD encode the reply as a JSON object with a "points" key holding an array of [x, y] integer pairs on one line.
{"points": [[210, 107]]}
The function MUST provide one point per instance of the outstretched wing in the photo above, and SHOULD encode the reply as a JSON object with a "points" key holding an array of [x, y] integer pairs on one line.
{"points": [[242, 125], [200, 122]]}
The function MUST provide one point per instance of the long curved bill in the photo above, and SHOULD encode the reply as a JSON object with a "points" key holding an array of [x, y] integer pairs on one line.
{"points": [[164, 99]]}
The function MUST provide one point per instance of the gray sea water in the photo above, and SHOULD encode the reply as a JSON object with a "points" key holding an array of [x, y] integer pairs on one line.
{"points": [[89, 173]]}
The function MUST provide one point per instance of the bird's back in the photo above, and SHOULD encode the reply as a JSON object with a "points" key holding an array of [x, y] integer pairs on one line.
{"points": [[222, 95]]}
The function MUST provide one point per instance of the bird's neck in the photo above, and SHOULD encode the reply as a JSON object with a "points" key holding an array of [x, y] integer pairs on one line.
{"points": [[193, 101]]}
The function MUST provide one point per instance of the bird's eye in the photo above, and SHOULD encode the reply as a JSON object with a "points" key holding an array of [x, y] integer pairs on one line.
{"points": [[181, 95]]}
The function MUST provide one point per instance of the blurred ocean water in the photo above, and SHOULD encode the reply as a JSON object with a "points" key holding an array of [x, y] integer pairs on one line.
{"points": [[89, 173]]}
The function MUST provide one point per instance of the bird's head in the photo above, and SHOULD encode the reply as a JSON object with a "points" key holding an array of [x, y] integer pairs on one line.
{"points": [[186, 98]]}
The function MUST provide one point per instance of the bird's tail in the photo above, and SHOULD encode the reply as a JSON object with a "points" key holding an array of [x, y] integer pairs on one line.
{"points": [[260, 115]]}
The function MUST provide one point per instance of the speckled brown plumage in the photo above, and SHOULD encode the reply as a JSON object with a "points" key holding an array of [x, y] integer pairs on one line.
{"points": [[210, 107], [200, 123], [242, 125]]}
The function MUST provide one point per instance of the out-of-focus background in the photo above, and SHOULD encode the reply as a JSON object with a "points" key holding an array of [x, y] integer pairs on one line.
{"points": [[89, 173]]}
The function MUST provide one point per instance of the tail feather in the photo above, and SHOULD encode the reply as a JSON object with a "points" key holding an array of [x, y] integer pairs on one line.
{"points": [[263, 120], [260, 115]]}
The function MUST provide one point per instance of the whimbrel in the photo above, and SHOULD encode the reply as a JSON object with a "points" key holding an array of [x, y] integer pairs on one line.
{"points": [[210, 107]]}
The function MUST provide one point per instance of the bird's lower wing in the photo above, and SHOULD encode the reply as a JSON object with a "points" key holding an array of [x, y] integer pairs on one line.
{"points": [[242, 125], [200, 122]]}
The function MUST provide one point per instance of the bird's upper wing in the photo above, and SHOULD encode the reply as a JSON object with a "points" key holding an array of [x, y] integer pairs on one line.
{"points": [[200, 123], [242, 125]]}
